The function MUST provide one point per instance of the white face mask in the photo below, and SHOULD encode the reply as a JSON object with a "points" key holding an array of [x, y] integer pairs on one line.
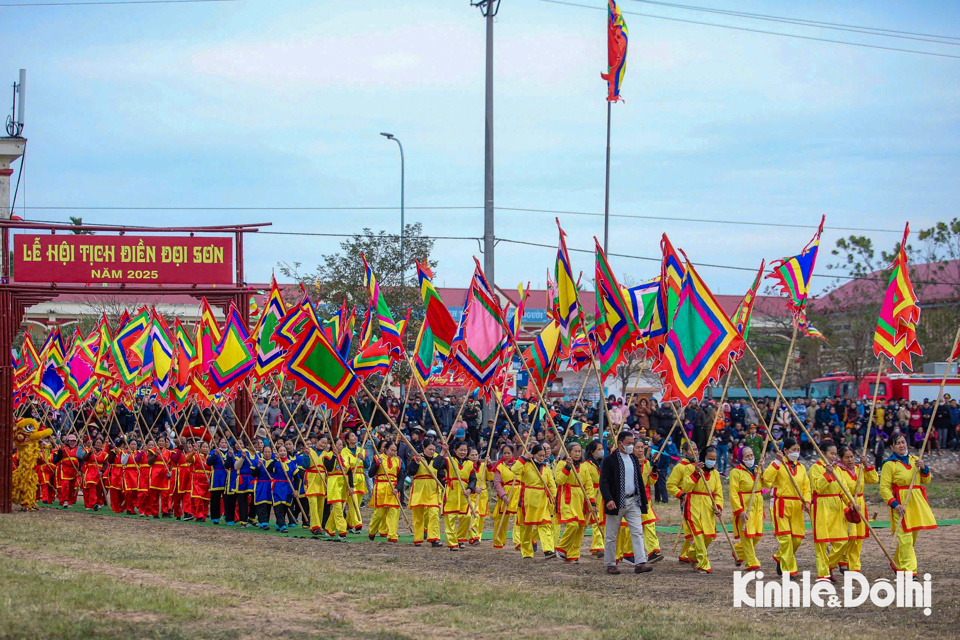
{"points": [[749, 464], [794, 456], [628, 449], [709, 464]]}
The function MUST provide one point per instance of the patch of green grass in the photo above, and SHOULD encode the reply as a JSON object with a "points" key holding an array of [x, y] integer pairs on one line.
{"points": [[944, 495]]}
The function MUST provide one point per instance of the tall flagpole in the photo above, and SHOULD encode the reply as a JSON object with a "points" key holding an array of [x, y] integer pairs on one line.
{"points": [[606, 239]]}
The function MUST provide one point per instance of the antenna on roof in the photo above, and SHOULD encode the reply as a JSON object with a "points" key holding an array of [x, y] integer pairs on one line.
{"points": [[15, 119]]}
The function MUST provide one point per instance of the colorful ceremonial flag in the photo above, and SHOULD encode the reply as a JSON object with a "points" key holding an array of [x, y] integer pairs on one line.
{"points": [[647, 314], [541, 356], [442, 325], [477, 350], [701, 343], [581, 351], [568, 297], [741, 317], [52, 388], [234, 360], [389, 331], [374, 358], [297, 320], [345, 339], [423, 354], [29, 360], [615, 327], [186, 360], [79, 365], [104, 366], [160, 351], [269, 353], [792, 276], [896, 332], [315, 366], [366, 328], [514, 323], [616, 51], [129, 345], [207, 338]]}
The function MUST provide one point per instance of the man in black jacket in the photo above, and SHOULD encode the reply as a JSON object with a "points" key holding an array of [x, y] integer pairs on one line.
{"points": [[624, 498]]}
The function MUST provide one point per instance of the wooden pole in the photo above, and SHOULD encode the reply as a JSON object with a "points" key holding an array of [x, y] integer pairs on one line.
{"points": [[866, 438]]}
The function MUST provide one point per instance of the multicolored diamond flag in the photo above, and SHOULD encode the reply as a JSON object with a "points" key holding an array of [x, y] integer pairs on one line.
{"points": [[389, 331], [615, 327], [207, 338], [80, 379], [442, 324], [616, 51], [269, 353], [647, 314], [160, 353], [29, 360], [374, 358], [314, 365], [234, 360], [186, 360], [701, 343], [568, 297], [896, 332], [741, 317], [128, 347], [541, 356], [792, 276]]}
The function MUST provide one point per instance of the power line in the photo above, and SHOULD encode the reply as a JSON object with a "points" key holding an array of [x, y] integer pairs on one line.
{"points": [[628, 216], [771, 33], [887, 33], [107, 2], [361, 235]]}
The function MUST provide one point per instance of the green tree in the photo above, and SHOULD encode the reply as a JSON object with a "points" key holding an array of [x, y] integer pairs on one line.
{"points": [[78, 222], [339, 276]]}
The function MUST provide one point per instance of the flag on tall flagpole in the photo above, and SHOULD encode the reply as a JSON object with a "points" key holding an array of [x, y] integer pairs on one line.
{"points": [[568, 300], [615, 327], [741, 317], [616, 51], [389, 331], [792, 276], [896, 332]]}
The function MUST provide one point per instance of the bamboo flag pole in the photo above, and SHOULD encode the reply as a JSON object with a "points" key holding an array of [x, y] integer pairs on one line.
{"points": [[820, 453], [603, 399], [926, 436], [338, 461], [866, 438]]}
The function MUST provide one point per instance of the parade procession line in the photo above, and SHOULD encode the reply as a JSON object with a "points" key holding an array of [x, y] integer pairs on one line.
{"points": [[300, 532]]}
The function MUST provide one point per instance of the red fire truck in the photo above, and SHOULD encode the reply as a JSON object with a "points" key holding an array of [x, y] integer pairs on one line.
{"points": [[914, 386]]}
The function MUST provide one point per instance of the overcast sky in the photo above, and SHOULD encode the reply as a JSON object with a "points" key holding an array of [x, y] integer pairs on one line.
{"points": [[274, 103]]}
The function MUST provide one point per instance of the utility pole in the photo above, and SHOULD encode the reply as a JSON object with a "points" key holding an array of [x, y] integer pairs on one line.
{"points": [[489, 9]]}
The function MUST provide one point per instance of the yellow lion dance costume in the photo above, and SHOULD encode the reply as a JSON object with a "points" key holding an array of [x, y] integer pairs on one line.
{"points": [[26, 438]]}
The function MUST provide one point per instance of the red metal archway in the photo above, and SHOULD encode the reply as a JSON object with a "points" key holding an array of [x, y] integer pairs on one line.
{"points": [[15, 298]]}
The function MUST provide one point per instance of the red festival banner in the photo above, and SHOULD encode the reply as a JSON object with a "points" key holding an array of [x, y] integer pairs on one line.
{"points": [[122, 259]]}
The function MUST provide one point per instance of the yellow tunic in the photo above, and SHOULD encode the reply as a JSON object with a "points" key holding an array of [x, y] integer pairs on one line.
{"points": [[829, 523], [424, 490], [649, 479], [894, 485], [336, 483], [481, 499], [510, 484], [454, 500], [858, 531], [677, 475], [385, 481], [571, 499], [355, 461], [787, 504], [315, 475], [741, 485], [534, 502], [703, 492]]}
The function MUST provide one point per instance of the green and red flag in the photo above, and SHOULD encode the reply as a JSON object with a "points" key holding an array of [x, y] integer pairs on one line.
{"points": [[568, 296], [541, 356], [389, 331], [792, 276], [315, 366], [269, 353], [896, 332], [615, 328], [186, 360], [437, 316], [159, 355], [742, 316], [128, 347], [234, 361]]}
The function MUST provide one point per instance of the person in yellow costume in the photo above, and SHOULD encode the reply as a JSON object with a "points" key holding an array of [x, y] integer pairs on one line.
{"points": [[337, 489], [354, 458], [651, 540], [425, 497], [847, 554], [385, 470], [507, 488], [827, 517], [460, 481], [535, 512], [573, 504], [747, 527], [788, 505], [594, 456], [678, 474], [910, 512], [315, 485], [704, 502], [481, 498]]}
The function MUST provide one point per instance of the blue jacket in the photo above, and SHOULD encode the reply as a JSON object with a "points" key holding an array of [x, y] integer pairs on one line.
{"points": [[242, 481], [221, 464], [282, 473], [263, 487]]}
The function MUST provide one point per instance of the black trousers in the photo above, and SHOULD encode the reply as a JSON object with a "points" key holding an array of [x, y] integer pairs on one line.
{"points": [[280, 514], [217, 503], [326, 515], [235, 504], [300, 508], [263, 513]]}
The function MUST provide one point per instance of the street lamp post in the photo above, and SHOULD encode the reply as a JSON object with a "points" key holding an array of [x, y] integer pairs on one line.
{"points": [[403, 265]]}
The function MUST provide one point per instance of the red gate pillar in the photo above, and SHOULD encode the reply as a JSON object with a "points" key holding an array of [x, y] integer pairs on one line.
{"points": [[7, 331]]}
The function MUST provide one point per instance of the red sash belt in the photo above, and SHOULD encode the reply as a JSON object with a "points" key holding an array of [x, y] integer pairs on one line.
{"points": [[781, 504]]}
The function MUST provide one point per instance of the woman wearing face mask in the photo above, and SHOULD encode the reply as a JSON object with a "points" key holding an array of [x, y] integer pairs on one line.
{"points": [[678, 475], [847, 554], [425, 497], [829, 523], [284, 473], [594, 455], [263, 487], [704, 502], [537, 482], [785, 475], [747, 527], [572, 503], [909, 510], [507, 487], [200, 482], [315, 480], [461, 481], [385, 469], [337, 490]]}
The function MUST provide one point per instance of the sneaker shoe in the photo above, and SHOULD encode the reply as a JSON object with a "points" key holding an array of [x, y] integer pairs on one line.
{"points": [[562, 555], [549, 555], [187, 518], [655, 556], [436, 543]]}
